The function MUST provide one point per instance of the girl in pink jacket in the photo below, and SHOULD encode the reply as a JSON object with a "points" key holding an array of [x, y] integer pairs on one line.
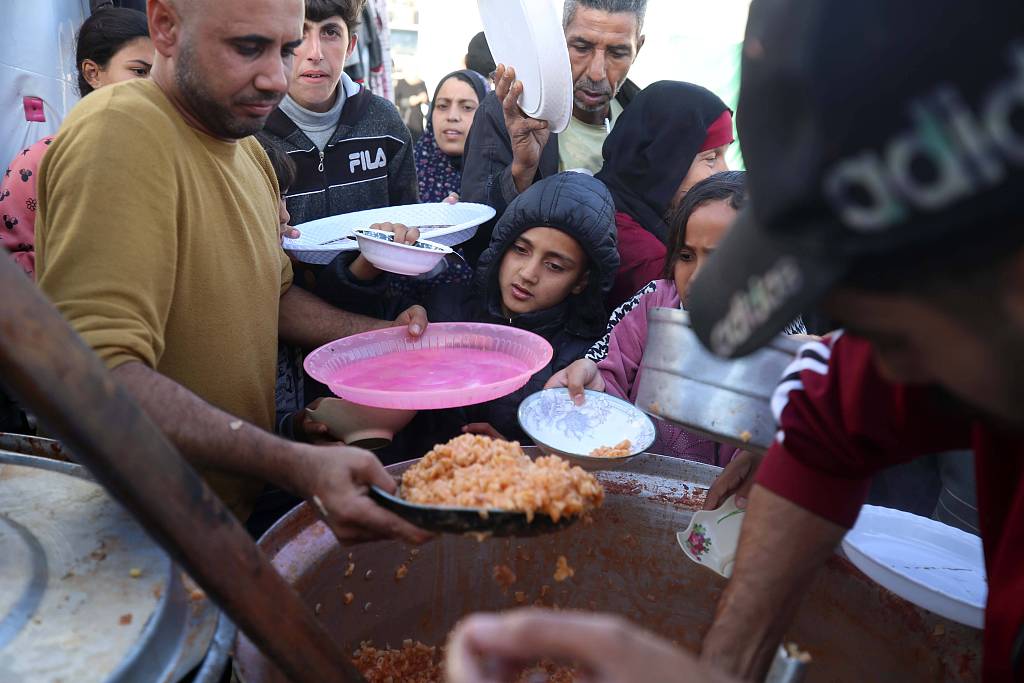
{"points": [[113, 46], [613, 364]]}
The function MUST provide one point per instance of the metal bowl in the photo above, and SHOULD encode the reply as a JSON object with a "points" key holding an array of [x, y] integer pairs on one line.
{"points": [[726, 400], [85, 595], [625, 562]]}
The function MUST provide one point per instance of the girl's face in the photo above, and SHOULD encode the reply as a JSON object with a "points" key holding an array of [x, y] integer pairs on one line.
{"points": [[283, 217], [454, 108], [705, 164], [705, 229], [133, 60], [540, 270]]}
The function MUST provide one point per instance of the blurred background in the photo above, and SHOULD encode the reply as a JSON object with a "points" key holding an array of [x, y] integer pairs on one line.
{"points": [[688, 40]]}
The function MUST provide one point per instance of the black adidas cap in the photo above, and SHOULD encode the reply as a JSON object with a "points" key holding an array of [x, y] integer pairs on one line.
{"points": [[869, 128]]}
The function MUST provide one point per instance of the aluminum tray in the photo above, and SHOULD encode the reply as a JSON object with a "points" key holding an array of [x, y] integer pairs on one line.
{"points": [[70, 607]]}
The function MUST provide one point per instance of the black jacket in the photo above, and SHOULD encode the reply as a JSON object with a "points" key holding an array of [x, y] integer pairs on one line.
{"points": [[368, 162], [572, 202], [487, 162]]}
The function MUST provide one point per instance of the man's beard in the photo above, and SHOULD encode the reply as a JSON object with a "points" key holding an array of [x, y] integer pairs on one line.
{"points": [[216, 117], [603, 87]]}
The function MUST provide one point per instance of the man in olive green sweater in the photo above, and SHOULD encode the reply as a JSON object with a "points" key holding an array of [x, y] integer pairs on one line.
{"points": [[158, 240]]}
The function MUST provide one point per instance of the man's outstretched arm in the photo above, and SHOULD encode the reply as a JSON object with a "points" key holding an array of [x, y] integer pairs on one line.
{"points": [[782, 547], [308, 321], [334, 478]]}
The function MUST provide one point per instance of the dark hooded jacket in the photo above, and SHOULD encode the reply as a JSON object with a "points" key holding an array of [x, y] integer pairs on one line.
{"points": [[366, 164], [572, 202]]}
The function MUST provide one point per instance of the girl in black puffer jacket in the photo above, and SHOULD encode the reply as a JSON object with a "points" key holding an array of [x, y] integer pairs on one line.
{"points": [[551, 261]]}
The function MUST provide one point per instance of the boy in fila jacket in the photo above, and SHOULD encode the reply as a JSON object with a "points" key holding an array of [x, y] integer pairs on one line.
{"points": [[351, 148]]}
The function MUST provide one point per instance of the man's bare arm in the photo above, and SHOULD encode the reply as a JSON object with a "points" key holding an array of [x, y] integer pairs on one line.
{"points": [[781, 548], [337, 476], [205, 435], [308, 321]]}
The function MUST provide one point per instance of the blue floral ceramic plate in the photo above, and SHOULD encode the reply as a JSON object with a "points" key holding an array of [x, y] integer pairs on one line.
{"points": [[560, 427]]}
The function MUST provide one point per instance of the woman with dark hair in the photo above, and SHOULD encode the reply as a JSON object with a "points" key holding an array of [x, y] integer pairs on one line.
{"points": [[438, 157], [438, 152], [672, 136], [696, 226], [113, 46]]}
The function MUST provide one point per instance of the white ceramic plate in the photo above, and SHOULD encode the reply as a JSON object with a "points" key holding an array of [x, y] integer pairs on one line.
{"points": [[557, 425], [323, 239], [935, 566], [527, 35]]}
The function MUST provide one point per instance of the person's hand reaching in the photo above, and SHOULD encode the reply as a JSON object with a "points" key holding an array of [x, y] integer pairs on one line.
{"points": [[582, 374], [737, 478], [494, 648], [482, 428], [362, 269], [528, 136]]}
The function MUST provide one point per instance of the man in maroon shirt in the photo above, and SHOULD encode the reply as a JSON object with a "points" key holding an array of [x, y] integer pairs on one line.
{"points": [[892, 196], [885, 149]]}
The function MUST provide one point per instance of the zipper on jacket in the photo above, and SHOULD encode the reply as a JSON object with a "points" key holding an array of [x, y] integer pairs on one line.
{"points": [[321, 167]]}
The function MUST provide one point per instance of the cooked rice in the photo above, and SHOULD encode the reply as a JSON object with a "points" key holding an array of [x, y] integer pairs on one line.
{"points": [[619, 450], [480, 472], [419, 663], [562, 569], [414, 663]]}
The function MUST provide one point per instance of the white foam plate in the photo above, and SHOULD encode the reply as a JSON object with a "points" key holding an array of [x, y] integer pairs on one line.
{"points": [[463, 218], [935, 566], [527, 35]]}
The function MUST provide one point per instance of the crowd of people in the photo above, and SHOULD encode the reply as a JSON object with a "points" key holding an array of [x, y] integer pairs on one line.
{"points": [[153, 221]]}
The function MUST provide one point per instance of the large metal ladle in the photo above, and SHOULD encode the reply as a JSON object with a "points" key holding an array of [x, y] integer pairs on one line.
{"points": [[53, 373]]}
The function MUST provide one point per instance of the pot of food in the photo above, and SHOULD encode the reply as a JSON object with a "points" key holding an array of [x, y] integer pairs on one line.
{"points": [[727, 400], [85, 595], [389, 603]]}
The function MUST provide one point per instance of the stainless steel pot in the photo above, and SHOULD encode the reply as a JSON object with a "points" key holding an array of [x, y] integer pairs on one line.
{"points": [[85, 595], [626, 561], [726, 400]]}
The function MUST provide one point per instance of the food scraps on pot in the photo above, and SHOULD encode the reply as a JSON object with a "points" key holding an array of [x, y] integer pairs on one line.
{"points": [[619, 450]]}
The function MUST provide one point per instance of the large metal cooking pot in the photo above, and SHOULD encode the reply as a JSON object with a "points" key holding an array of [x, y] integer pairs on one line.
{"points": [[85, 595], [626, 561], [726, 400]]}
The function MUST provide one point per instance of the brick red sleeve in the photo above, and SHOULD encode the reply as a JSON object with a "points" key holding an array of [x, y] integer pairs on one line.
{"points": [[840, 423]]}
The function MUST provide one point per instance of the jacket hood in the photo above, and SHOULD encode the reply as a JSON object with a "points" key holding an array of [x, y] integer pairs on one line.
{"points": [[580, 206]]}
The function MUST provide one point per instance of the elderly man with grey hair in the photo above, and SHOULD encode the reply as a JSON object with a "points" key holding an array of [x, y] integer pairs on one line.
{"points": [[506, 151]]}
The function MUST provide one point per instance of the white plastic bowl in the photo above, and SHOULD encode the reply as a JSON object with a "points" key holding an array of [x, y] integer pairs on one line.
{"points": [[382, 251], [323, 239]]}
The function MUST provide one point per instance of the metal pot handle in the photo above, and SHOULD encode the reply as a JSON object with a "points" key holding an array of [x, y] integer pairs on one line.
{"points": [[786, 668]]}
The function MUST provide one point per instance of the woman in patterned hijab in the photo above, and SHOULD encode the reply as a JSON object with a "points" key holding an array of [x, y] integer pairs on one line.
{"points": [[438, 152]]}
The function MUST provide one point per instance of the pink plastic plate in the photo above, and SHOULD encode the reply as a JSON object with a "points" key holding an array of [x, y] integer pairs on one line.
{"points": [[451, 365]]}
